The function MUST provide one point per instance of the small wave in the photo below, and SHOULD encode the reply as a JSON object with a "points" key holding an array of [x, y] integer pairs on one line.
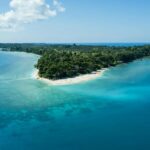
{"points": [[34, 74], [12, 80], [29, 77]]}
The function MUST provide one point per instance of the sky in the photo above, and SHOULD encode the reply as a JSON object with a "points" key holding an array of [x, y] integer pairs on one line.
{"points": [[74, 21]]}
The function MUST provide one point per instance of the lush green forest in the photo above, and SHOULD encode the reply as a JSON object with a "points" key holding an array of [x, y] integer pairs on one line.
{"points": [[63, 61]]}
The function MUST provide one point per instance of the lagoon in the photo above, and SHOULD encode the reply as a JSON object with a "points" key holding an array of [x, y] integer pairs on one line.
{"points": [[110, 112]]}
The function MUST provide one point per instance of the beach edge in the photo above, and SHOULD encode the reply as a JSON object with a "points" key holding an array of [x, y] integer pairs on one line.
{"points": [[69, 81]]}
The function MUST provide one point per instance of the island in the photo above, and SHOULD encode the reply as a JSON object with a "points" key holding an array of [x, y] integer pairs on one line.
{"points": [[64, 62]]}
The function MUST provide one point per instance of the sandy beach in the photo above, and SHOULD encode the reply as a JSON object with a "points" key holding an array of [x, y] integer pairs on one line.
{"points": [[68, 81]]}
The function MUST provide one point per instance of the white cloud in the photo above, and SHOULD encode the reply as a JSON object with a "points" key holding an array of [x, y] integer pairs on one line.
{"points": [[59, 6], [26, 11]]}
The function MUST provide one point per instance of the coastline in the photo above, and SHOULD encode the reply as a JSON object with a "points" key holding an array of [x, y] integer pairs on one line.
{"points": [[69, 81]]}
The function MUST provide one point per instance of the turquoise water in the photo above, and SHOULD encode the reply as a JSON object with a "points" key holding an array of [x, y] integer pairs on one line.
{"points": [[109, 113]]}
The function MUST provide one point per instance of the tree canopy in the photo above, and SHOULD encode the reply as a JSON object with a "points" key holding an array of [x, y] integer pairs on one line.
{"points": [[63, 61]]}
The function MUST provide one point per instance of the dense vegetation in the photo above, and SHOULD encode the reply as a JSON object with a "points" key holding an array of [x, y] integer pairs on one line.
{"points": [[63, 61]]}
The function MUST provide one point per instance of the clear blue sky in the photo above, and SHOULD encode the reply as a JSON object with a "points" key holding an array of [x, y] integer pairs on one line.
{"points": [[87, 21]]}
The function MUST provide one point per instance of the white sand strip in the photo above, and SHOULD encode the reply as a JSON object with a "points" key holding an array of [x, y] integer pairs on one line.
{"points": [[75, 80]]}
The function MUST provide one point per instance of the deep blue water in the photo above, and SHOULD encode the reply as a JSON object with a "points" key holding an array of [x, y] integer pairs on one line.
{"points": [[99, 44], [109, 113], [114, 44], [104, 44]]}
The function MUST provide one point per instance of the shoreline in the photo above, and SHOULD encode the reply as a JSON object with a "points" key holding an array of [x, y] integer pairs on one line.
{"points": [[69, 81]]}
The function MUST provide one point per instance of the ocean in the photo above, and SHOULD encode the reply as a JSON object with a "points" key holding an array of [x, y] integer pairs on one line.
{"points": [[109, 113], [101, 44]]}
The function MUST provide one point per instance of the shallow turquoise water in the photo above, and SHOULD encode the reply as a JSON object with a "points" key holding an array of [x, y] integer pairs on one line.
{"points": [[109, 113]]}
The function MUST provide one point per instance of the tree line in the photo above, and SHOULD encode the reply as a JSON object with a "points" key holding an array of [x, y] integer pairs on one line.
{"points": [[63, 61]]}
